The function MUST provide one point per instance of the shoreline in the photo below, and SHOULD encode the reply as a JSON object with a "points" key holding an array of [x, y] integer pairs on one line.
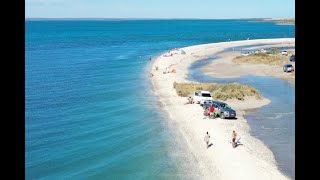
{"points": [[251, 161], [235, 70]]}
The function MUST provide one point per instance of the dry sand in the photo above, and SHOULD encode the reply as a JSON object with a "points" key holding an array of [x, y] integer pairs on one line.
{"points": [[252, 160], [219, 66]]}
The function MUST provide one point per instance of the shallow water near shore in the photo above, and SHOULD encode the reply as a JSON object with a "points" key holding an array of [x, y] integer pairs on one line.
{"points": [[90, 112], [274, 123]]}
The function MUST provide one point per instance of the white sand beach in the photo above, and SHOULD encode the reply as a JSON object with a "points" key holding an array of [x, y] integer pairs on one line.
{"points": [[252, 160]]}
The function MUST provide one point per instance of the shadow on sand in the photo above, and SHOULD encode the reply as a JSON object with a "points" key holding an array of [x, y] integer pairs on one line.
{"points": [[236, 144]]}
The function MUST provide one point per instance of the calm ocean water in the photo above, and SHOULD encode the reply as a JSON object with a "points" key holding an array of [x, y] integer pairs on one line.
{"points": [[90, 113]]}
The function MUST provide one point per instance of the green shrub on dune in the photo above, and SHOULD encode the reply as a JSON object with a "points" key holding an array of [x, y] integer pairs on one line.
{"points": [[262, 58], [186, 89], [272, 57], [274, 51], [219, 91]]}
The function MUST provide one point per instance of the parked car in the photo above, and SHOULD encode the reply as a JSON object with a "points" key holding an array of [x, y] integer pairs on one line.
{"points": [[288, 68], [200, 96], [224, 110], [284, 53], [207, 103], [245, 54], [292, 58]]}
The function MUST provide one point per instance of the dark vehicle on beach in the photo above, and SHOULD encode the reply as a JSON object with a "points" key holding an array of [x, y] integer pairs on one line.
{"points": [[292, 58], [225, 111], [288, 68], [207, 103]]}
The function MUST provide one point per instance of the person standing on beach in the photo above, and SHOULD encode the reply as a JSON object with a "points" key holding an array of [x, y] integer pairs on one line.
{"points": [[234, 137], [206, 113], [206, 139], [211, 111]]}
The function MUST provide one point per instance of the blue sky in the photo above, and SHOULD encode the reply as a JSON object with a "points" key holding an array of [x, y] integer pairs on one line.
{"points": [[206, 9]]}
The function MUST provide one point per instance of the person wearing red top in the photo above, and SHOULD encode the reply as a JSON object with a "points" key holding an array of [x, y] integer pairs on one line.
{"points": [[211, 109], [211, 112]]}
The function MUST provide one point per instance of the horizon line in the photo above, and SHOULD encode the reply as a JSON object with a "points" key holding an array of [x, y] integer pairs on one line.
{"points": [[82, 18]]}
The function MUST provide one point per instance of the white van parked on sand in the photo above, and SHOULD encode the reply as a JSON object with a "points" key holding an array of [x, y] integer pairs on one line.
{"points": [[284, 53], [201, 96]]}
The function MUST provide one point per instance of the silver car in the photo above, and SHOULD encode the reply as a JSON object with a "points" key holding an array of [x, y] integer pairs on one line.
{"points": [[288, 68], [224, 110]]}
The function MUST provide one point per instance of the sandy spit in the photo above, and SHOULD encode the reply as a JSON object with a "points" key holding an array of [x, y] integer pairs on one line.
{"points": [[252, 160]]}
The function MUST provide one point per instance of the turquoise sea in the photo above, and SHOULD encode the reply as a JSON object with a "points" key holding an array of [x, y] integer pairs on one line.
{"points": [[90, 112]]}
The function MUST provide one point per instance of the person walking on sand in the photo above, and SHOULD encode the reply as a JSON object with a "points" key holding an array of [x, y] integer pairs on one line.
{"points": [[206, 139], [234, 137]]}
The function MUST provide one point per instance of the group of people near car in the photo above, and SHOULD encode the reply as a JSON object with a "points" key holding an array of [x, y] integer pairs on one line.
{"points": [[210, 112]]}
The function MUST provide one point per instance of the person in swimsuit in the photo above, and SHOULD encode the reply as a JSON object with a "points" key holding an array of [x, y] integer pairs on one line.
{"points": [[234, 137], [206, 139]]}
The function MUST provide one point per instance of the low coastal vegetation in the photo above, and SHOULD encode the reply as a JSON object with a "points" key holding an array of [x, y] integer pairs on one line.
{"points": [[288, 21], [219, 91], [272, 57]]}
